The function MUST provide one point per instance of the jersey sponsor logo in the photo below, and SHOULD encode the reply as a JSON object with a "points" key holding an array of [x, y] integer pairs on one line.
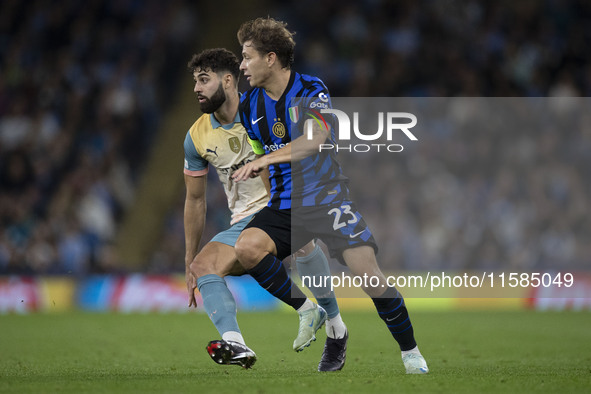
{"points": [[234, 143], [324, 101], [279, 129], [256, 121], [231, 169], [274, 147], [316, 104], [212, 151], [186, 164]]}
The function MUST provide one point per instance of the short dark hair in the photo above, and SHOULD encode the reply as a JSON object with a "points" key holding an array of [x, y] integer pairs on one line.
{"points": [[216, 60], [269, 35]]}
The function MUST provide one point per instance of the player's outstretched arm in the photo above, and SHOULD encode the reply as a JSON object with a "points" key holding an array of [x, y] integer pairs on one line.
{"points": [[296, 150], [194, 222]]}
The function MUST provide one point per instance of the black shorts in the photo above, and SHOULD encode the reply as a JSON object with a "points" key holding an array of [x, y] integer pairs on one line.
{"points": [[340, 227]]}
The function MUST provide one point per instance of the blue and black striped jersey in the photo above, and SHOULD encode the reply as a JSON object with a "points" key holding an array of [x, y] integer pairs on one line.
{"points": [[315, 180]]}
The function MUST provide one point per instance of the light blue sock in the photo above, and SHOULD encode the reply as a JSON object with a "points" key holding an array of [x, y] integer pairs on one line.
{"points": [[315, 265], [218, 302]]}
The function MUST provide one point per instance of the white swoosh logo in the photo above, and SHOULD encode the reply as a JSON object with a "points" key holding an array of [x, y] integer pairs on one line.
{"points": [[396, 317], [355, 235], [256, 121]]}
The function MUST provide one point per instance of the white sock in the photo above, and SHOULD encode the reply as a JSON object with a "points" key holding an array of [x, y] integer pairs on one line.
{"points": [[335, 327], [307, 305], [233, 336], [413, 350]]}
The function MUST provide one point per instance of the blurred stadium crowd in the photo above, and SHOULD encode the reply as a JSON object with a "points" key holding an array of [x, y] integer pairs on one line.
{"points": [[444, 48], [491, 184], [82, 91], [77, 112]]}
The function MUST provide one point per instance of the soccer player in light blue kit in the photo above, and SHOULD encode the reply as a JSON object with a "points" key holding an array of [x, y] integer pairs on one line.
{"points": [[219, 139], [309, 194]]}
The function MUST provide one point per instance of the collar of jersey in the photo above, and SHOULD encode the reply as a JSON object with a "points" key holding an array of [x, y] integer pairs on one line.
{"points": [[290, 83], [215, 124]]}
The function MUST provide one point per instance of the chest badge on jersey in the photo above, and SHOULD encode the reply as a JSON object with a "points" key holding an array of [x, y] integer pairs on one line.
{"points": [[279, 129], [234, 144], [294, 114]]}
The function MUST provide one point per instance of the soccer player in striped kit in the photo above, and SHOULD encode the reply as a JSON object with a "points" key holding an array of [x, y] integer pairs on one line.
{"points": [[309, 195]]}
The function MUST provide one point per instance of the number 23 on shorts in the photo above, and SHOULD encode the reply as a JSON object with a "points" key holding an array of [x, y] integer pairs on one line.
{"points": [[343, 216]]}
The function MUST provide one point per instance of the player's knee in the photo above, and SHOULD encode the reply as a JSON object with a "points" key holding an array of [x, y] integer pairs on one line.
{"points": [[248, 251], [201, 267]]}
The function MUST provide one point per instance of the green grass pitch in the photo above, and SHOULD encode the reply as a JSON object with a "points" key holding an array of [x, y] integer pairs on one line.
{"points": [[165, 353]]}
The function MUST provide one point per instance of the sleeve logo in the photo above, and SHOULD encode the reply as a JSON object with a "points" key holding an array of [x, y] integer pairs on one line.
{"points": [[294, 114]]}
